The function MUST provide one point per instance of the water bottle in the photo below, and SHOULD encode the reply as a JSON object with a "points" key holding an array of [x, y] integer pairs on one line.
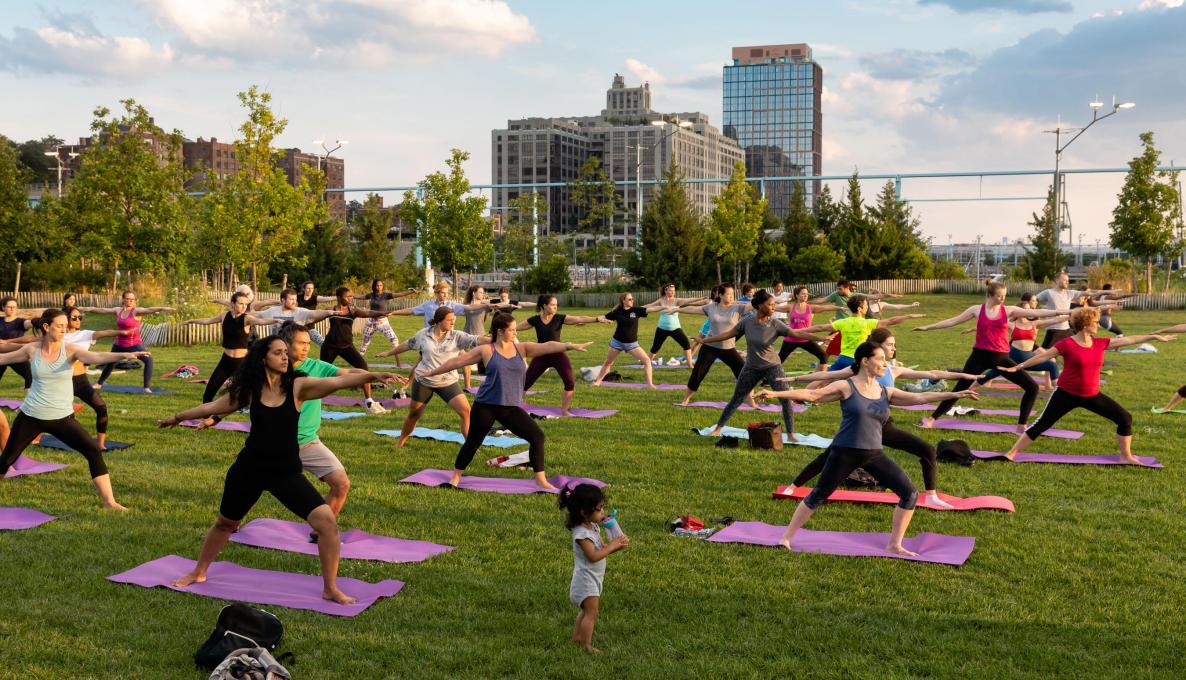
{"points": [[612, 528]]}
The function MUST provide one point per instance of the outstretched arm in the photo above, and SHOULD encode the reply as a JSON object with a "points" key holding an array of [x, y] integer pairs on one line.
{"points": [[99, 310], [823, 395], [895, 320], [826, 376], [469, 358], [208, 321], [111, 333], [16, 356], [901, 398], [535, 349], [1180, 328], [155, 310], [401, 347], [582, 320], [1036, 358], [721, 337], [316, 316], [1138, 339], [1022, 313], [894, 305], [221, 406], [253, 320], [910, 374], [964, 316], [77, 353], [370, 313], [316, 388]]}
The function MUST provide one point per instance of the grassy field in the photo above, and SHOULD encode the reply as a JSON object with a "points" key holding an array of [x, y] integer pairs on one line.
{"points": [[1084, 580]]}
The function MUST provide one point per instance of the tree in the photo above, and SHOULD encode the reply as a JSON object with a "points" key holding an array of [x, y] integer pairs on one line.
{"points": [[42, 170], [551, 276], [1043, 259], [593, 193], [328, 260], [255, 216], [373, 250], [898, 237], [128, 200], [816, 263], [673, 236], [522, 225], [799, 229], [854, 236], [1146, 214], [453, 232], [15, 216], [826, 211], [737, 217]]}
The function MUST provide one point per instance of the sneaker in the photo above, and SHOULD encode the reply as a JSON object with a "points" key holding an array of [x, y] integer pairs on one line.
{"points": [[673, 362], [376, 408]]}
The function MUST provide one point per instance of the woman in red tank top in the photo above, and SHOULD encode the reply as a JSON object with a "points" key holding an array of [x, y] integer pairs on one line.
{"points": [[1023, 341], [1079, 384]]}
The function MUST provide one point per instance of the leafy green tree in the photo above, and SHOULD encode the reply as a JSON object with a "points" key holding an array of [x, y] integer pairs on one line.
{"points": [[737, 218], [947, 269], [1147, 211], [593, 193], [816, 263], [799, 229], [1043, 259], [15, 216], [854, 236], [826, 211], [373, 250], [896, 229], [522, 229], [453, 233], [128, 200], [328, 260], [673, 236], [42, 169], [551, 276]]}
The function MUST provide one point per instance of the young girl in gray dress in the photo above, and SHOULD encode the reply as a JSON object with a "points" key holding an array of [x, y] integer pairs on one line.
{"points": [[585, 504]]}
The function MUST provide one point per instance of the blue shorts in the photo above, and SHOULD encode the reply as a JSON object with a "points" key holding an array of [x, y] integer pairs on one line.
{"points": [[841, 362], [622, 346]]}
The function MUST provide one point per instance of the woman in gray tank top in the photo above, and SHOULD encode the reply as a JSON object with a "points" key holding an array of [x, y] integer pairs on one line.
{"points": [[864, 408]]}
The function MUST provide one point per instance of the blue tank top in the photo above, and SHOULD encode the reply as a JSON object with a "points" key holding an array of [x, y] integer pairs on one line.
{"points": [[861, 420], [886, 380], [52, 395], [503, 385]]}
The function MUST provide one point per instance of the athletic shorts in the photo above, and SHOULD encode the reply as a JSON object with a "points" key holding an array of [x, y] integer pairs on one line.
{"points": [[422, 393], [622, 346], [318, 460]]}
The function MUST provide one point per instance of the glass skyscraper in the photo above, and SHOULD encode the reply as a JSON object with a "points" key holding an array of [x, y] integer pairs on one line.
{"points": [[772, 109]]}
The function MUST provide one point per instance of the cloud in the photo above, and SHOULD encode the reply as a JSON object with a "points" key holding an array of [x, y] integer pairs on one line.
{"points": [[710, 79], [1015, 6], [643, 72], [904, 64], [81, 50]]}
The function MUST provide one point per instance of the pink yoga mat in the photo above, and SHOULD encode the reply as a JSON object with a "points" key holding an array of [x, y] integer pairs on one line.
{"points": [[12, 404], [22, 518], [27, 466], [767, 408], [356, 543], [656, 366], [496, 484], [938, 548], [1007, 393], [784, 492], [1001, 428], [230, 425], [640, 386], [229, 581], [572, 412], [979, 411], [1066, 459], [335, 400]]}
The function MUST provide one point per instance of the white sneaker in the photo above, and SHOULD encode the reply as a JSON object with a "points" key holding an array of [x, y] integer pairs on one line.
{"points": [[376, 408], [673, 362]]}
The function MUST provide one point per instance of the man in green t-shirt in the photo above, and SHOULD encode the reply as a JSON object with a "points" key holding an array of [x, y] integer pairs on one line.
{"points": [[855, 329]]}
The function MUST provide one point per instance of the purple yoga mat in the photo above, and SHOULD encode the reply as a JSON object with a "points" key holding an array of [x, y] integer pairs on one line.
{"points": [[27, 466], [980, 411], [22, 518], [496, 484], [474, 390], [1003, 428], [641, 386], [1066, 459], [572, 412], [335, 400], [938, 548], [231, 425], [656, 366], [768, 408], [12, 404], [356, 543], [229, 581]]}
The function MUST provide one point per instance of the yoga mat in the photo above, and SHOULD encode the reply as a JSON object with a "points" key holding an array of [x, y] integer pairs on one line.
{"points": [[496, 484], [132, 389], [27, 466], [22, 518], [356, 543], [768, 408], [656, 366], [784, 492], [51, 442], [229, 581], [389, 365], [979, 411], [1158, 410], [1001, 428], [230, 425], [572, 412], [1066, 459], [335, 400], [12, 404], [937, 548], [474, 390], [641, 386], [1005, 385], [341, 415], [501, 441], [1042, 394], [813, 440]]}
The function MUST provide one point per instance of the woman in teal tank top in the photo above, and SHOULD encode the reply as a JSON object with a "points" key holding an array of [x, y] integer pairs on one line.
{"points": [[48, 405], [669, 326]]}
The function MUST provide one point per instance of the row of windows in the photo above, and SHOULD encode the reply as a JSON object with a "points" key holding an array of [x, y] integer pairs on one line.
{"points": [[763, 71]]}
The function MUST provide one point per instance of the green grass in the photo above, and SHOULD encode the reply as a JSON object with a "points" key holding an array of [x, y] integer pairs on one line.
{"points": [[1084, 580]]}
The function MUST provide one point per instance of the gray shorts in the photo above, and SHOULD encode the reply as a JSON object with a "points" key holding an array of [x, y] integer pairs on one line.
{"points": [[422, 393], [318, 460]]}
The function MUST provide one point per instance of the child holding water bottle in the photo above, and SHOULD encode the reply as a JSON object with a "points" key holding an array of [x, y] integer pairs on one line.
{"points": [[585, 505]]}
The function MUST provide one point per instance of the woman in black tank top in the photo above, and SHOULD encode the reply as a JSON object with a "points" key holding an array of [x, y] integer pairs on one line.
{"points": [[11, 328], [339, 341], [270, 460], [236, 326], [548, 325]]}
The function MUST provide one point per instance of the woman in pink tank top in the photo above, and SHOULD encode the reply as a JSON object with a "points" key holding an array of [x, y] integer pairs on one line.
{"points": [[799, 314], [991, 348], [127, 318]]}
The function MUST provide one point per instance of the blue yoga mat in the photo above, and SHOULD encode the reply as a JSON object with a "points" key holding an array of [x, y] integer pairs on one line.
{"points": [[132, 389], [341, 415], [502, 441]]}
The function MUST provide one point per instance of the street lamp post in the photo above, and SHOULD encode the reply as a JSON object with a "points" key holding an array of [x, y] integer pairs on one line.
{"points": [[679, 125], [1059, 147], [57, 155]]}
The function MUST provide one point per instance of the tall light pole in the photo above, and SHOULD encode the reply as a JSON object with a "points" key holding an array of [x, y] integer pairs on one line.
{"points": [[328, 151], [1059, 147], [57, 155], [679, 125]]}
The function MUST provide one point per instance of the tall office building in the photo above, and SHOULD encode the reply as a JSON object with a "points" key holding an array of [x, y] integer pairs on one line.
{"points": [[772, 108]]}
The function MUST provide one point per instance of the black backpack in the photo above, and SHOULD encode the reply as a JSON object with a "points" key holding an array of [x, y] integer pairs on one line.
{"points": [[239, 626], [954, 451]]}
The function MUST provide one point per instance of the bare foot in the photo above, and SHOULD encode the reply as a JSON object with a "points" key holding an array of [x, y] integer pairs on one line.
{"points": [[591, 649], [651, 385], [455, 480], [565, 414], [1012, 456], [545, 485], [338, 596], [98, 386], [596, 383], [401, 443], [927, 422], [686, 401], [114, 506], [932, 500], [189, 579], [207, 422], [148, 390], [785, 542], [716, 432], [1130, 459], [899, 550]]}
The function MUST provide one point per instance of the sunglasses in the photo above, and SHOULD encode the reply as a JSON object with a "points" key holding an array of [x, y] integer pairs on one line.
{"points": [[76, 318]]}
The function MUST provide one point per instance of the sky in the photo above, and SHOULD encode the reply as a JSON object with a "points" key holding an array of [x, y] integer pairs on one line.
{"points": [[909, 85]]}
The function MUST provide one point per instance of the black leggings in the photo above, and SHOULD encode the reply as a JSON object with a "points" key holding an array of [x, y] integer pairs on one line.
{"points": [[1107, 323], [227, 365], [1062, 403], [22, 369], [891, 438], [246, 483], [512, 418], [661, 336], [1053, 335], [146, 360], [349, 354], [26, 428], [843, 460], [981, 360], [811, 348], [707, 357], [89, 396]]}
